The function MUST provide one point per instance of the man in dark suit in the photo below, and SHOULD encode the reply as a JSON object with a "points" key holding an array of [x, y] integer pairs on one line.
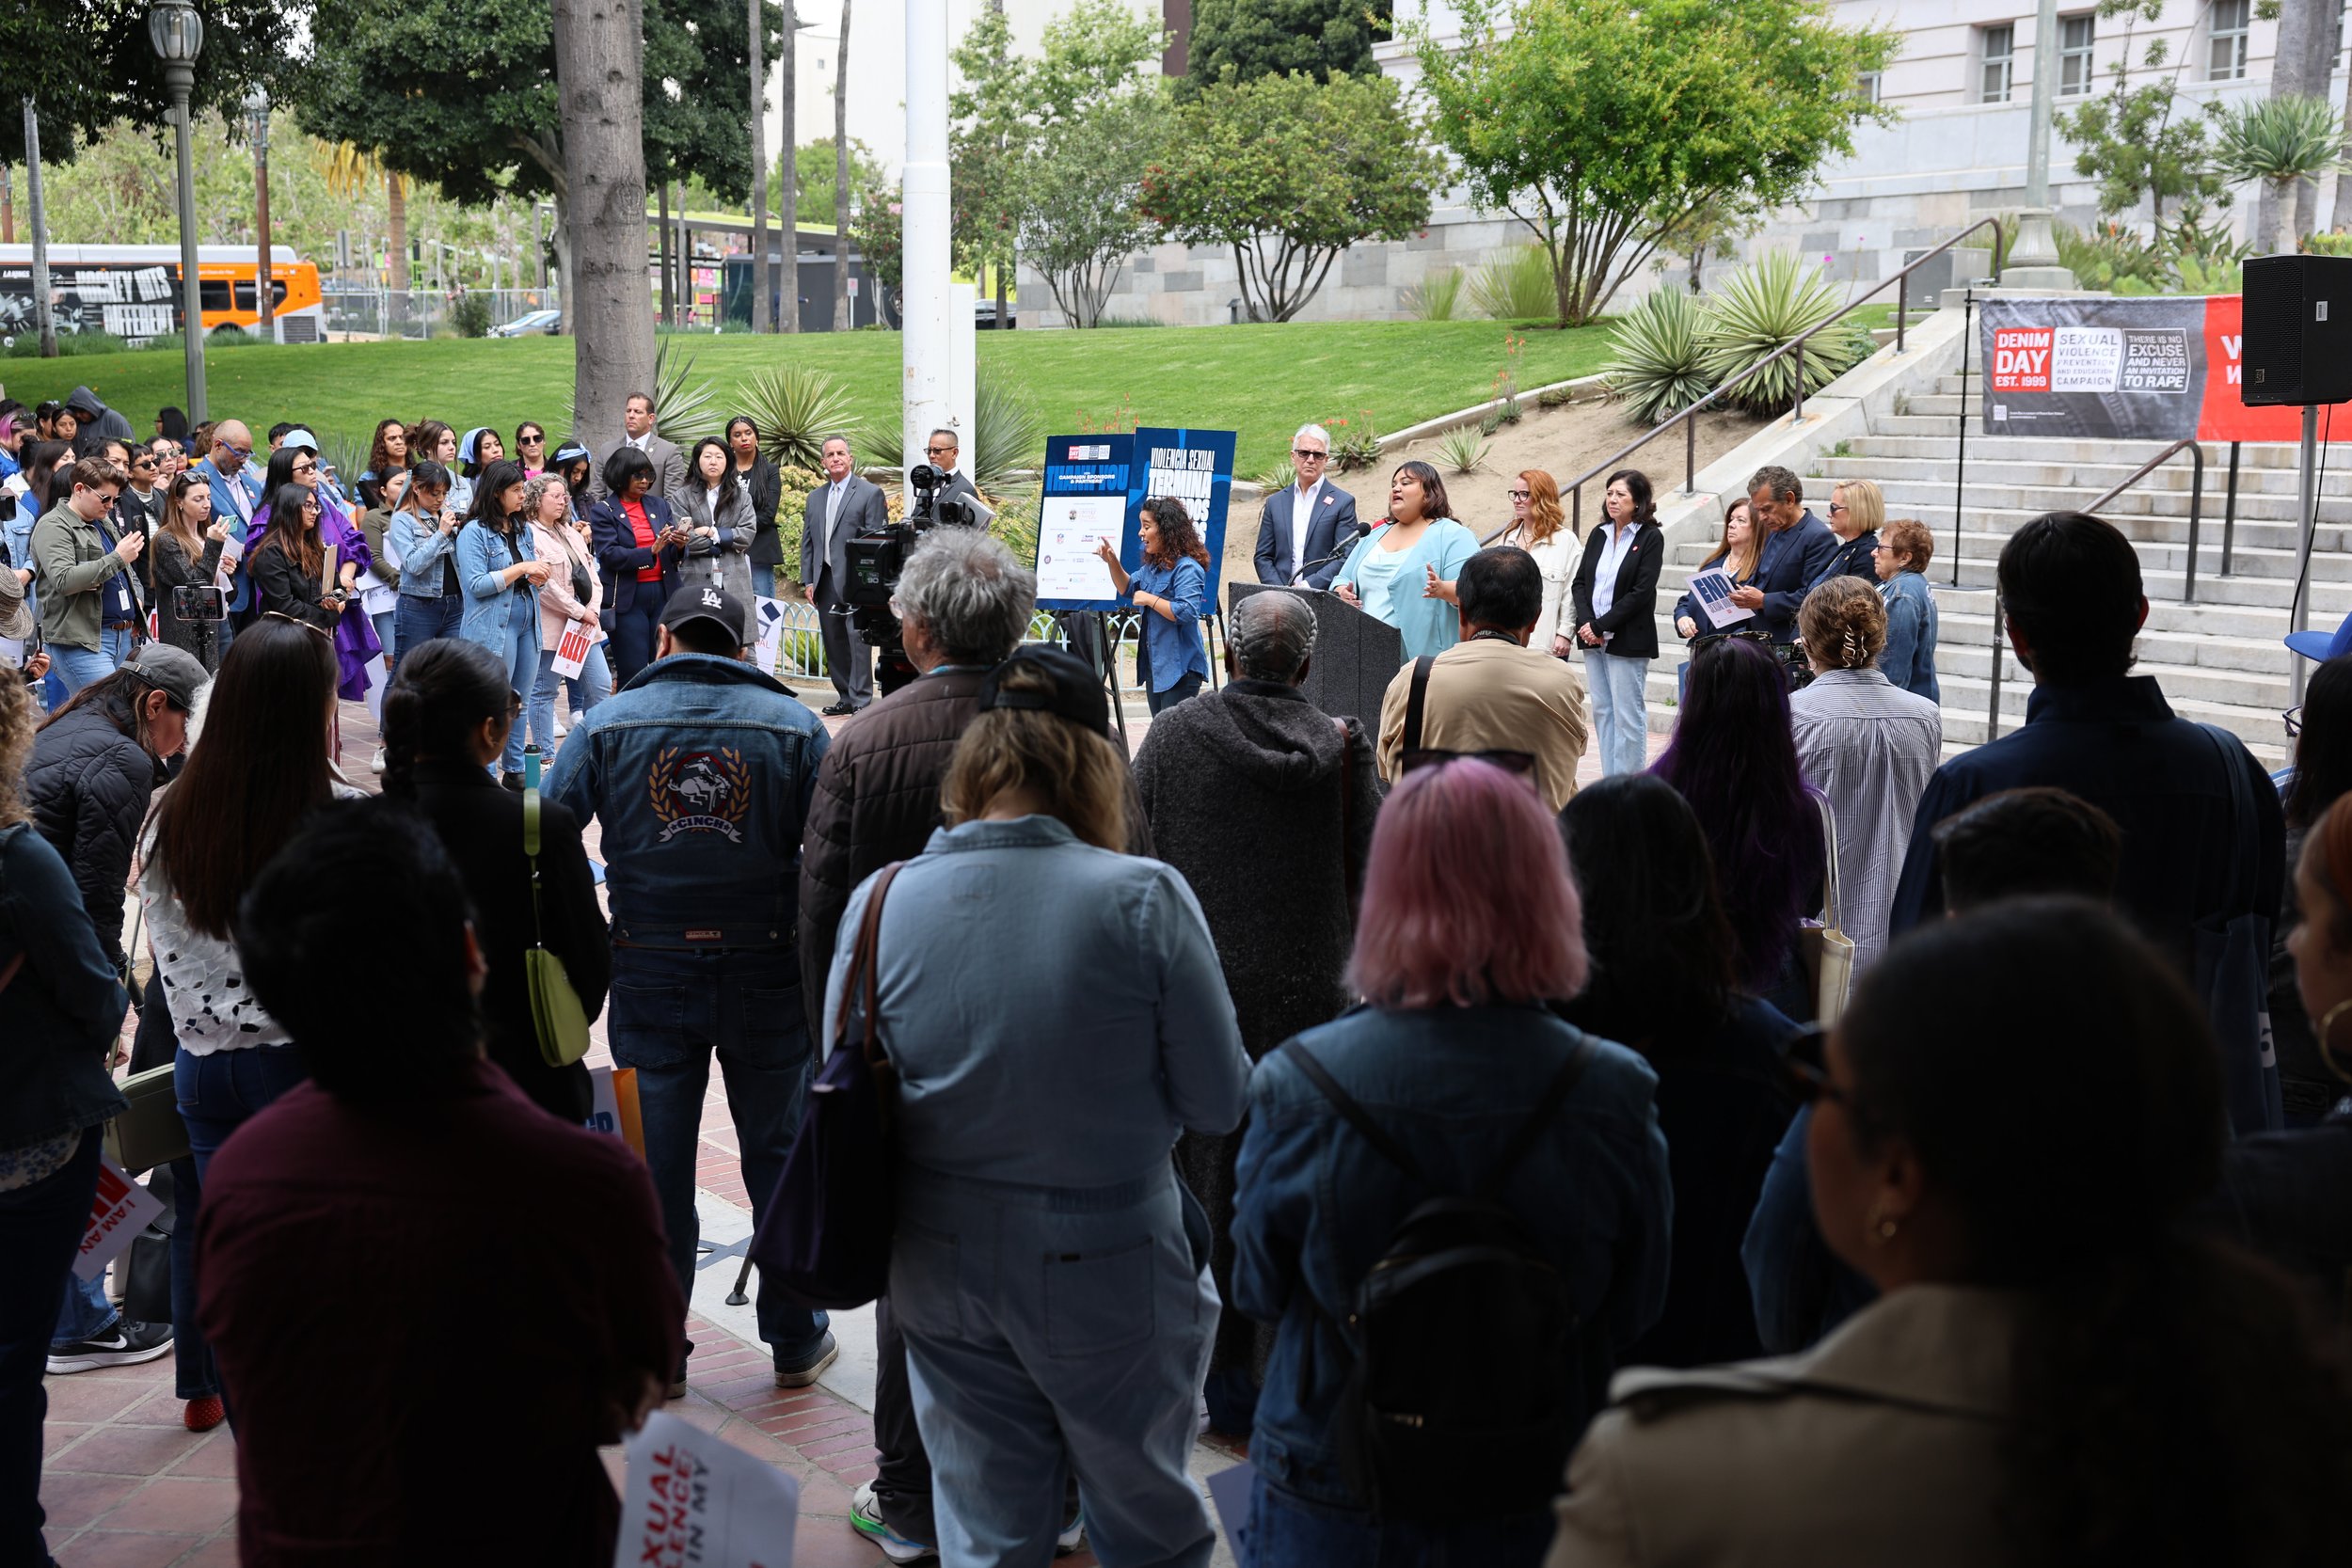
{"points": [[941, 450], [669, 463], [1797, 550], [1307, 521], [838, 511]]}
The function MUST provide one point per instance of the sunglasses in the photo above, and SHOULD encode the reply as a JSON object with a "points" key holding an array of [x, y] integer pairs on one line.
{"points": [[937, 451], [1522, 763], [1303, 456], [1806, 1063], [1835, 507], [306, 468], [531, 440]]}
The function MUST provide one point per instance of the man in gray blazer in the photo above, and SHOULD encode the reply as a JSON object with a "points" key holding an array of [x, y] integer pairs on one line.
{"points": [[669, 463], [842, 508]]}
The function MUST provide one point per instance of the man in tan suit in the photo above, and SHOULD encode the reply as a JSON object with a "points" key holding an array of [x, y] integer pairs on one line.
{"points": [[1490, 691]]}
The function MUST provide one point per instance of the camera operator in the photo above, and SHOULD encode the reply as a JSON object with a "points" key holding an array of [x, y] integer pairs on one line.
{"points": [[843, 508], [941, 451]]}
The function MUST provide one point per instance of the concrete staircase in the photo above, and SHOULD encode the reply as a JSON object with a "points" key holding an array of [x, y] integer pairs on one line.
{"points": [[2219, 658]]}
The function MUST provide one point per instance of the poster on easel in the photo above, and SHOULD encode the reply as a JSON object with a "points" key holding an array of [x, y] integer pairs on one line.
{"points": [[1194, 468], [1085, 502]]}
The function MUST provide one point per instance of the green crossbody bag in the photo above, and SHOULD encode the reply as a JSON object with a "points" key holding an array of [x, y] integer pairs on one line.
{"points": [[556, 1014]]}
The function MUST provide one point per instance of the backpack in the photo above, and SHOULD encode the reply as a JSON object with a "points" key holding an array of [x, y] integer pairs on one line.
{"points": [[1466, 1390]]}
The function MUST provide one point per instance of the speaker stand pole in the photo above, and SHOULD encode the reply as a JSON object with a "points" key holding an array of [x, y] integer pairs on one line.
{"points": [[1110, 674], [2306, 517]]}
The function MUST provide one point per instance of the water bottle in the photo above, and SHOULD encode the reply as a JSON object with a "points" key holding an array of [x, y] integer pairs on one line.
{"points": [[531, 765]]}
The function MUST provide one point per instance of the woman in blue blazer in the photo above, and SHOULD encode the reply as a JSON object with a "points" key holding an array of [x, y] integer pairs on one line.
{"points": [[500, 575], [640, 546]]}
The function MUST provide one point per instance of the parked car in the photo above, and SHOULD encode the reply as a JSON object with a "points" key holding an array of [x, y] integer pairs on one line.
{"points": [[530, 323]]}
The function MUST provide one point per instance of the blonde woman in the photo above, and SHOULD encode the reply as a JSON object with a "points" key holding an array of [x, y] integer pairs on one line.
{"points": [[1539, 527], [573, 591], [1857, 509], [1736, 553]]}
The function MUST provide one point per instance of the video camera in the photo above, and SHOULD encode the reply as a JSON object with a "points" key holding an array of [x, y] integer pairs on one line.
{"points": [[877, 560]]}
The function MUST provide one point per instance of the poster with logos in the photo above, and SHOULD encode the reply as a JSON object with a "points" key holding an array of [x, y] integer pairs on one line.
{"points": [[2132, 370], [1096, 487]]}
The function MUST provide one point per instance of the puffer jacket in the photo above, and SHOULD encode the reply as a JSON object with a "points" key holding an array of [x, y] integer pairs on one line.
{"points": [[88, 784]]}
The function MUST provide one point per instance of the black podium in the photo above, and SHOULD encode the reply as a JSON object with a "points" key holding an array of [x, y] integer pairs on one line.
{"points": [[1356, 655]]}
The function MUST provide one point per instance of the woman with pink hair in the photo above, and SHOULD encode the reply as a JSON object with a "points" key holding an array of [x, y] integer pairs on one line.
{"points": [[1455, 1097]]}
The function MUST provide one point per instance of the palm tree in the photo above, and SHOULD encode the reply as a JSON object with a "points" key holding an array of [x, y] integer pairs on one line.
{"points": [[2279, 140], [350, 170]]}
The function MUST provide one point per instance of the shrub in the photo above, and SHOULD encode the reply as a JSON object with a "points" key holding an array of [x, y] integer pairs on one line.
{"points": [[1008, 433], [1656, 356], [2336, 243], [2104, 257], [1128, 322], [1553, 397], [232, 335], [1763, 306], [1354, 443], [1436, 297], [1463, 450], [1516, 286], [795, 407], [795, 482], [470, 315], [1016, 525]]}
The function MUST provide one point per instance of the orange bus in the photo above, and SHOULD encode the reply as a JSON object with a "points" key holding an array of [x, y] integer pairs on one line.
{"points": [[133, 290]]}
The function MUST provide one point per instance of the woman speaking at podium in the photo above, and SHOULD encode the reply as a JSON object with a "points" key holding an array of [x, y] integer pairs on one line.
{"points": [[1404, 573]]}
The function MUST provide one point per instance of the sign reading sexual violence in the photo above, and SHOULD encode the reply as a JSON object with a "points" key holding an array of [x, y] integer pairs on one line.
{"points": [[2128, 370]]}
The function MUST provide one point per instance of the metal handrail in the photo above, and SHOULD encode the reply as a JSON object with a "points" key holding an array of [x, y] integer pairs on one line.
{"points": [[2196, 502], [1688, 418]]}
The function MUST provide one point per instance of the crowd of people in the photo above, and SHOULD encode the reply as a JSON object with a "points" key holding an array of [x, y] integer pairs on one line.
{"points": [[1450, 1139]]}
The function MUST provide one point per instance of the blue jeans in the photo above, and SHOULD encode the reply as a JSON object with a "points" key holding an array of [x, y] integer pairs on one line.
{"points": [[1620, 710], [764, 581], [519, 650], [1287, 1530], [86, 1312], [674, 1008], [418, 620], [217, 1093], [75, 668], [41, 1230], [591, 686], [1189, 686], [634, 634]]}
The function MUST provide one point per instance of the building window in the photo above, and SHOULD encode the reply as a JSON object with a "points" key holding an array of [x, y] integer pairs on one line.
{"points": [[1869, 86], [2076, 37], [2000, 56], [2227, 23]]}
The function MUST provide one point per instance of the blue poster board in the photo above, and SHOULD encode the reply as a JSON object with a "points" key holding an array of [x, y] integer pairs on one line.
{"points": [[1086, 474]]}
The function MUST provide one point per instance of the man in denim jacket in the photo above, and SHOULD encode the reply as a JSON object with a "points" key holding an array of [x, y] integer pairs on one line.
{"points": [[699, 774]]}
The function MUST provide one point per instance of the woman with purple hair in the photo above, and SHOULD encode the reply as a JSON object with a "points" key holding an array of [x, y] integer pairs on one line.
{"points": [[1455, 1080], [1734, 759]]}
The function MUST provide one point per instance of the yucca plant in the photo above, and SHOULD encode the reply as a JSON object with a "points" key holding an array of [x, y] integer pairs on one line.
{"points": [[2278, 140], [1008, 433], [1655, 357], [1762, 306], [1516, 286], [1463, 450], [795, 407], [1436, 297]]}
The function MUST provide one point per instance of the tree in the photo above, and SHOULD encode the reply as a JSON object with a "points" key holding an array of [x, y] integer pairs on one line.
{"points": [[597, 45], [841, 311], [2132, 140], [788, 132], [813, 169], [88, 64], [759, 174], [1288, 172], [989, 133], [1275, 37], [1079, 216], [1604, 124], [2301, 62], [2278, 141]]}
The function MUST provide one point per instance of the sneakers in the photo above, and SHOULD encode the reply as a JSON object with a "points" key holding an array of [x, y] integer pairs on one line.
{"points": [[204, 1414], [801, 1373], [562, 729], [865, 1518], [376, 767], [126, 1344], [1073, 1535]]}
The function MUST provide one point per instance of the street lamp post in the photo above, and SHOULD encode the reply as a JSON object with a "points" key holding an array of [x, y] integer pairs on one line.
{"points": [[264, 295], [2033, 258], [177, 34]]}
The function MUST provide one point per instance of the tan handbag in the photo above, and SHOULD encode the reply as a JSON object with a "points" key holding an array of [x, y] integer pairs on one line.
{"points": [[1826, 950]]}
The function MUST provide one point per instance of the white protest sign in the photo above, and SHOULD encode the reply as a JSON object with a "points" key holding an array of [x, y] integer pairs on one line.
{"points": [[767, 622], [1711, 588], [119, 1211], [695, 1498], [571, 650]]}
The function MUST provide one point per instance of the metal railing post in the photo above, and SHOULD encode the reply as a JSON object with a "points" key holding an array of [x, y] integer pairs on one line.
{"points": [[1796, 416], [2195, 506], [1902, 306], [2229, 511], [1689, 458], [1959, 471], [1576, 511], [2000, 656]]}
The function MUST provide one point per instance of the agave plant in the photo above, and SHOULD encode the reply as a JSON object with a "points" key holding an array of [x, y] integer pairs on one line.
{"points": [[1463, 448], [1763, 306], [1436, 297], [1516, 285], [795, 407], [2278, 140], [1008, 433], [1655, 360]]}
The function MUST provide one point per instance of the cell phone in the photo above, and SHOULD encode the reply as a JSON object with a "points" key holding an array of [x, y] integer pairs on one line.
{"points": [[199, 602]]}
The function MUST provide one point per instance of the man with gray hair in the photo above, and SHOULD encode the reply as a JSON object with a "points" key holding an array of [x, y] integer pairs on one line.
{"points": [[1304, 531], [1265, 804]]}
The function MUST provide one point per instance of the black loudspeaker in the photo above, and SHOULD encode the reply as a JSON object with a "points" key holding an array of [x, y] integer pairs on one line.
{"points": [[2298, 331]]}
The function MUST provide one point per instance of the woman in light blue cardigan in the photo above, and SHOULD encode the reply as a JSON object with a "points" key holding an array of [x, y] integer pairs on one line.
{"points": [[1404, 573], [500, 575]]}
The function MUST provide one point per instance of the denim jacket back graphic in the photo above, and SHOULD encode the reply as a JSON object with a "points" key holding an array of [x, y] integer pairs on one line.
{"points": [[699, 775]]}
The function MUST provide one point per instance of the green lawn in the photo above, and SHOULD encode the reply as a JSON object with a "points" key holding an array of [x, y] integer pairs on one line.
{"points": [[1262, 380]]}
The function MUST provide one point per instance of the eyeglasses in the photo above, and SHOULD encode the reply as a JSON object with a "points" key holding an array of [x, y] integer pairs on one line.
{"points": [[1522, 763], [1519, 495], [241, 452], [1806, 1062], [309, 507], [2293, 720], [1306, 457], [937, 451]]}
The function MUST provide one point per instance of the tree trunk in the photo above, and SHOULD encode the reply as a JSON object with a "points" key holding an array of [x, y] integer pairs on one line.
{"points": [[563, 242], [787, 171], [2303, 62], [760, 177], [396, 243], [44, 317], [599, 63], [842, 314]]}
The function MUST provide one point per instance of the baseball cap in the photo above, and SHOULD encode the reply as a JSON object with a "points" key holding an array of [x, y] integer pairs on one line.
{"points": [[1076, 694], [303, 438], [2322, 645], [171, 671], [705, 603]]}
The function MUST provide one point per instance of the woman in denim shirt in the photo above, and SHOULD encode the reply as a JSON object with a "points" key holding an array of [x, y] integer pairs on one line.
{"points": [[1169, 587], [1057, 1016], [421, 536], [1470, 926], [1901, 563], [502, 574]]}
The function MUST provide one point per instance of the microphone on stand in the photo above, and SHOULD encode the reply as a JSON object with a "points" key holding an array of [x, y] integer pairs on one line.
{"points": [[1362, 529]]}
